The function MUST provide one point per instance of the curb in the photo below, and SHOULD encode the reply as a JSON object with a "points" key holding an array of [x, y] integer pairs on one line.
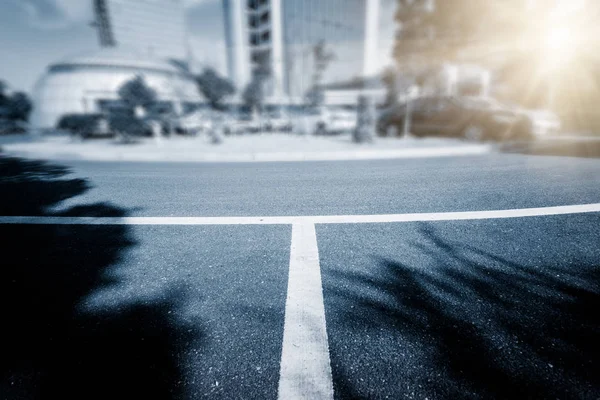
{"points": [[411, 153]]}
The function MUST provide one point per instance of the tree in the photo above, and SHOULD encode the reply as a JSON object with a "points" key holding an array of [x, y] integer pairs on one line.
{"points": [[390, 80], [315, 96], [20, 106], [514, 38], [322, 58], [17, 106], [2, 87], [3, 94], [255, 92], [213, 87], [433, 32], [136, 93]]}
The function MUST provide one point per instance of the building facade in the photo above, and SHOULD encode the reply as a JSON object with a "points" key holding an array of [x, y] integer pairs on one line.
{"points": [[90, 83], [283, 34], [155, 28]]}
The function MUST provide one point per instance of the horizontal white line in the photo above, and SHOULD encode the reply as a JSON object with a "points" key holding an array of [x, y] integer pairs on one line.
{"points": [[325, 219], [458, 216]]}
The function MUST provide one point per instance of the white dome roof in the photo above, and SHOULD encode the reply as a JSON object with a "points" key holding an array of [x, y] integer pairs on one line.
{"points": [[118, 57], [90, 82]]}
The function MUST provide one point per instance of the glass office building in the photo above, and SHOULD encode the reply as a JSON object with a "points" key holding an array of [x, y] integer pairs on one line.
{"points": [[285, 32], [153, 27]]}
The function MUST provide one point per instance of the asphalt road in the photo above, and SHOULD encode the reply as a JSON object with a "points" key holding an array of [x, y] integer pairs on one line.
{"points": [[332, 188], [491, 308]]}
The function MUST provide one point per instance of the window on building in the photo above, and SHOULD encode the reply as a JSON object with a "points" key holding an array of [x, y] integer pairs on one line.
{"points": [[261, 59], [265, 38], [265, 18], [253, 21]]}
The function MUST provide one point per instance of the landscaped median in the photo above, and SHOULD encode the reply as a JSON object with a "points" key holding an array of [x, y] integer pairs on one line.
{"points": [[259, 148]]}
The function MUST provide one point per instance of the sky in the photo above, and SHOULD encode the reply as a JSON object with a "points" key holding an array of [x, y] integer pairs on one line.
{"points": [[35, 33]]}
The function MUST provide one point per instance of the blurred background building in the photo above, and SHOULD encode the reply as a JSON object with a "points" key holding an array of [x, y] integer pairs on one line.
{"points": [[283, 35], [154, 28], [137, 38], [90, 83]]}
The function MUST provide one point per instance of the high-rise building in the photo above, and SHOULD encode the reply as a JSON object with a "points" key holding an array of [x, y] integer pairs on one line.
{"points": [[283, 34], [152, 27]]}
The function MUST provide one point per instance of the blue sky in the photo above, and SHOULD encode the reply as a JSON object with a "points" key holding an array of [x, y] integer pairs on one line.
{"points": [[34, 33]]}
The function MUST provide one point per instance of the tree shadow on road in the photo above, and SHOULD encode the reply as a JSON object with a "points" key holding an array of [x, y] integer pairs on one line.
{"points": [[484, 326], [52, 347]]}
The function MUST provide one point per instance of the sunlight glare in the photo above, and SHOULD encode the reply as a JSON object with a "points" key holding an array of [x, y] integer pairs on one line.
{"points": [[559, 39]]}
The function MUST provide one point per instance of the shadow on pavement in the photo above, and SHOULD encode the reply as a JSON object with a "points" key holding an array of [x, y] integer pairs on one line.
{"points": [[53, 348], [484, 327]]}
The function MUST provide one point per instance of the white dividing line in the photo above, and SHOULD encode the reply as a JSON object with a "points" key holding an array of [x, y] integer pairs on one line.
{"points": [[457, 216], [325, 219], [149, 220], [305, 368]]}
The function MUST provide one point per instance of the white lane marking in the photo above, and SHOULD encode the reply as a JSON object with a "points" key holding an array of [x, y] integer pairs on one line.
{"points": [[325, 219], [305, 371], [457, 216], [49, 220]]}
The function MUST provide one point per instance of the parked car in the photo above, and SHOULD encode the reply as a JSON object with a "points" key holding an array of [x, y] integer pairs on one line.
{"points": [[472, 118], [9, 126], [244, 123], [195, 122], [543, 122], [334, 120], [85, 125], [277, 122], [130, 125]]}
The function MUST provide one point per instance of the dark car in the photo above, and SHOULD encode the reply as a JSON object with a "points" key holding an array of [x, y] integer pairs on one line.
{"points": [[471, 118], [85, 125], [130, 125], [9, 126]]}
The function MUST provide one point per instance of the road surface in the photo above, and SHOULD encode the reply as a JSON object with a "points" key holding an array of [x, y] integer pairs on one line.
{"points": [[184, 286]]}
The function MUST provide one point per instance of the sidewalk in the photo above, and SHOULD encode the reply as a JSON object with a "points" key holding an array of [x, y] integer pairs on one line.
{"points": [[563, 145], [248, 148]]}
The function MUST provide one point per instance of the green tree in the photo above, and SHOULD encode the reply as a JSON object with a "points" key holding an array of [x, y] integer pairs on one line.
{"points": [[322, 58], [511, 37], [213, 87], [390, 80], [315, 96], [136, 93], [17, 106], [255, 92], [20, 106], [437, 31], [3, 94]]}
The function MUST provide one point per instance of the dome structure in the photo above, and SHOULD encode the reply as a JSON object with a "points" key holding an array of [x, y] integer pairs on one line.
{"points": [[89, 83]]}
